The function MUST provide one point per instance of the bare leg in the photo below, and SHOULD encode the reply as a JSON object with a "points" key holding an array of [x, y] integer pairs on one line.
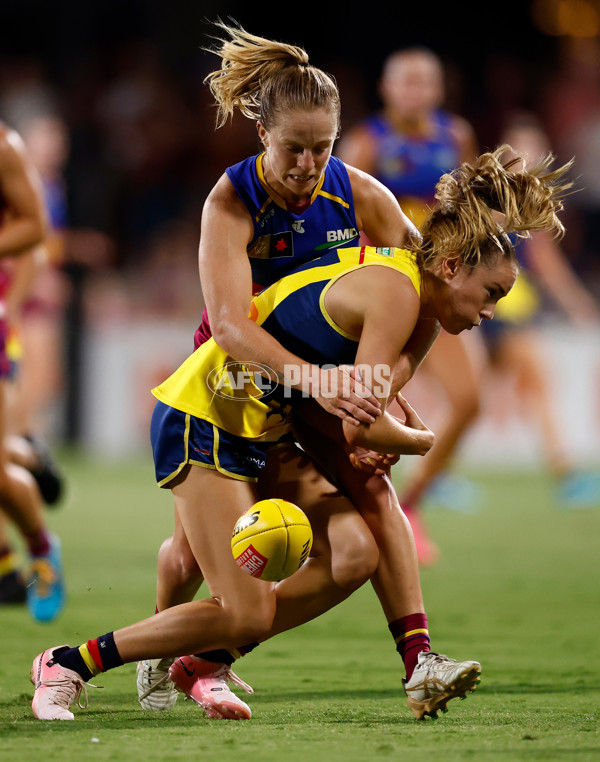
{"points": [[208, 505], [344, 554], [19, 494], [179, 576], [456, 363], [290, 475], [396, 579], [518, 352], [243, 609]]}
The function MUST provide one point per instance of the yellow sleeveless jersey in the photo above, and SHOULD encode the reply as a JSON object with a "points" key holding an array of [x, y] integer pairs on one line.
{"points": [[244, 398]]}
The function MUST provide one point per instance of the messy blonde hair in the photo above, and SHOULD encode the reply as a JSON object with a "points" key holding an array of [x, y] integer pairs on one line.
{"points": [[465, 221], [262, 78]]}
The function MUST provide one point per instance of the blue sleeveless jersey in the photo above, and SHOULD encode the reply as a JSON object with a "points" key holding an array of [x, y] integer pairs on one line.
{"points": [[412, 165], [284, 240]]}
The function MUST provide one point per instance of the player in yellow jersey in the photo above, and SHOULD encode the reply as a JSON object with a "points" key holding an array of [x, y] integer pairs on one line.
{"points": [[364, 311], [296, 108]]}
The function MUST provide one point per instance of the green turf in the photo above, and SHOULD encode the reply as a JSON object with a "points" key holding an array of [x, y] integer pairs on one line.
{"points": [[517, 588]]}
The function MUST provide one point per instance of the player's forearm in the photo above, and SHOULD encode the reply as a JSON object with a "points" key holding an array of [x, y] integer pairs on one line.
{"points": [[18, 236], [413, 354], [245, 341], [388, 435]]}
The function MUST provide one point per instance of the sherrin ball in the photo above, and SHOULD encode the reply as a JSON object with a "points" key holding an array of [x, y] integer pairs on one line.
{"points": [[272, 539]]}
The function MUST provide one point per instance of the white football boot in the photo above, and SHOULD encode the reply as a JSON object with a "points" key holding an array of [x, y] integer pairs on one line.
{"points": [[436, 680], [156, 692]]}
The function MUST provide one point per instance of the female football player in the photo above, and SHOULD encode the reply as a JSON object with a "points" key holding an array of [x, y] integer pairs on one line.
{"points": [[285, 206], [358, 306]]}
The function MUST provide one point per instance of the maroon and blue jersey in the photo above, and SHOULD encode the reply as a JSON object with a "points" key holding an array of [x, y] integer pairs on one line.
{"points": [[411, 165], [284, 238]]}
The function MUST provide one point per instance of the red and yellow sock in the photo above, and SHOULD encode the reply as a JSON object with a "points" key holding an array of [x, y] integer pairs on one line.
{"points": [[91, 658]]}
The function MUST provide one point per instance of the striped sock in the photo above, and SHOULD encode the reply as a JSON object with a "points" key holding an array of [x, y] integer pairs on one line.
{"points": [[91, 658], [411, 636]]}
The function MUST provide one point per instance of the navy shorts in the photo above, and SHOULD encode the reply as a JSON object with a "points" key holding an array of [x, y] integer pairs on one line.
{"points": [[179, 438]]}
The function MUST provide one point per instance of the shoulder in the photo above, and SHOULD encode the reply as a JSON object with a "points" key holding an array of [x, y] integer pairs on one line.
{"points": [[223, 191], [7, 143], [464, 135], [364, 184], [376, 291], [12, 149], [367, 190], [223, 202]]}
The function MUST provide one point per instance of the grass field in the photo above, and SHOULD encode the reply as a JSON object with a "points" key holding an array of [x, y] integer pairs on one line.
{"points": [[518, 588]]}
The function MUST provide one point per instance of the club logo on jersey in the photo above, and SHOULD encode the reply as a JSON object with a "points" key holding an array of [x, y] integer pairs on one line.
{"points": [[273, 246], [238, 381]]}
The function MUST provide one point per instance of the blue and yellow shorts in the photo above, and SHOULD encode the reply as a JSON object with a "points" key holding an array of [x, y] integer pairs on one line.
{"points": [[179, 438]]}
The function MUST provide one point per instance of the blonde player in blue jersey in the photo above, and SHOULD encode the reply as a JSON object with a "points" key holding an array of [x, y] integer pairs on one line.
{"points": [[355, 305]]}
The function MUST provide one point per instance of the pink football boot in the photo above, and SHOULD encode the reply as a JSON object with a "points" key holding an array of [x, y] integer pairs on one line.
{"points": [[207, 683], [56, 688]]}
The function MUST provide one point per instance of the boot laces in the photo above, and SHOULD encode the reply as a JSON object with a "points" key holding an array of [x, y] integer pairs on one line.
{"points": [[65, 687], [227, 673]]}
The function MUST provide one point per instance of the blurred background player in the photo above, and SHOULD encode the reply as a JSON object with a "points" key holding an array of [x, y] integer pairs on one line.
{"points": [[22, 228], [408, 145], [546, 282], [38, 310]]}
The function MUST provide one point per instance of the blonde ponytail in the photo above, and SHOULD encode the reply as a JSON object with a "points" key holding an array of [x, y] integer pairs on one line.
{"points": [[479, 204]]}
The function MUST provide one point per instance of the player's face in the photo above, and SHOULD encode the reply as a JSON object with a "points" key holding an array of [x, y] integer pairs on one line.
{"points": [[297, 149], [412, 85], [469, 295]]}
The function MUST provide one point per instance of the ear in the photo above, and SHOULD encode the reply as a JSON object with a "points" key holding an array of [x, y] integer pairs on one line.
{"points": [[262, 133], [451, 266]]}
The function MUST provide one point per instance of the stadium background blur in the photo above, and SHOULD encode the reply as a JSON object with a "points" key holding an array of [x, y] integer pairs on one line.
{"points": [[126, 79]]}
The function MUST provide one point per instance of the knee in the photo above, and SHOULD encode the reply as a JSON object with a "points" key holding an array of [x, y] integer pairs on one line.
{"points": [[179, 560], [252, 623], [356, 562]]}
